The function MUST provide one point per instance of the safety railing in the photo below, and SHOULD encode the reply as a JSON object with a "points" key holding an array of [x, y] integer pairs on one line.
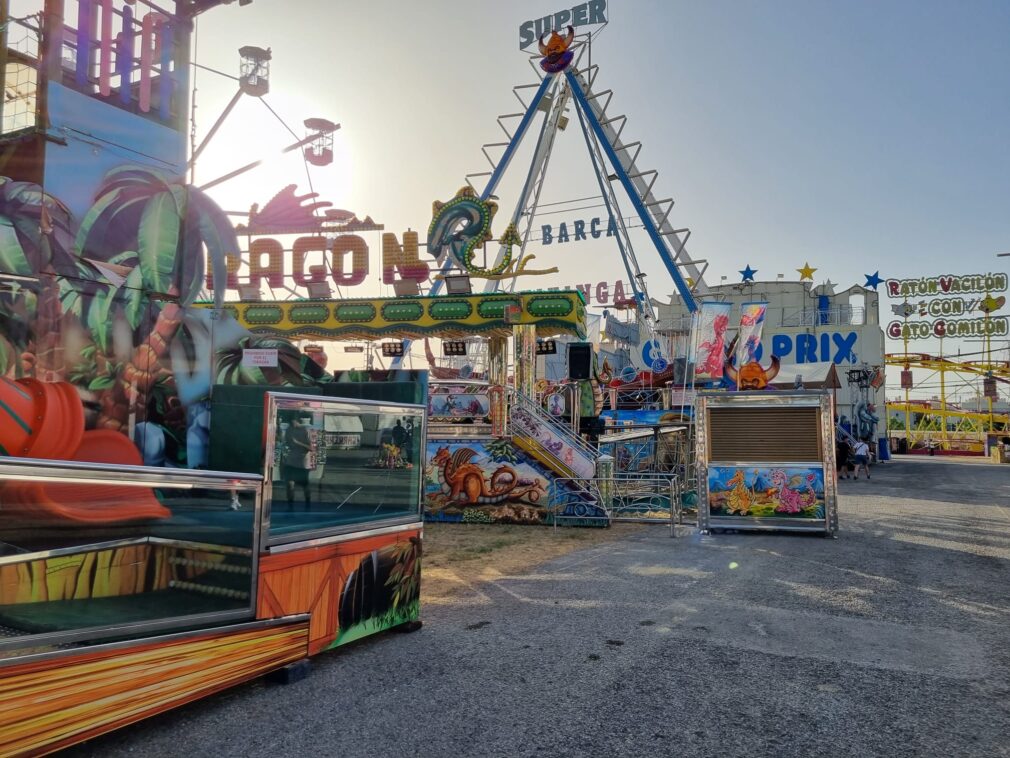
{"points": [[654, 499], [567, 452], [844, 315]]}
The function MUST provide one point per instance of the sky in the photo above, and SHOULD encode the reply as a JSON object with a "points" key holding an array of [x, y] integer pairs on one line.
{"points": [[856, 136]]}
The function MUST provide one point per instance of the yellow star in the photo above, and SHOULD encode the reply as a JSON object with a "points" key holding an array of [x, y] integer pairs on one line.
{"points": [[806, 272]]}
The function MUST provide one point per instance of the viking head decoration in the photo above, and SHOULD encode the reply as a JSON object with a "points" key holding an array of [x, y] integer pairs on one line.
{"points": [[556, 53]]}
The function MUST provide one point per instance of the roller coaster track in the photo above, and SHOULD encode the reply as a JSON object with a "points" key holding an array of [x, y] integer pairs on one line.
{"points": [[1000, 370]]}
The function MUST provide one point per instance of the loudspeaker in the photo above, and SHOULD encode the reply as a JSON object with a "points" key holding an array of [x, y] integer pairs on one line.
{"points": [[580, 360]]}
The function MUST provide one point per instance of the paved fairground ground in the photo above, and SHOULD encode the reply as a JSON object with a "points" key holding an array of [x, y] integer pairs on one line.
{"points": [[890, 641]]}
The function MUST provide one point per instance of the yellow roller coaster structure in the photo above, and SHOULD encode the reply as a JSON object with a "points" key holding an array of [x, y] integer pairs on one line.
{"points": [[936, 423]]}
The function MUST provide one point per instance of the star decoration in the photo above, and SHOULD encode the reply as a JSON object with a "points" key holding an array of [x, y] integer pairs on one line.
{"points": [[872, 280], [807, 272], [748, 273], [829, 287]]}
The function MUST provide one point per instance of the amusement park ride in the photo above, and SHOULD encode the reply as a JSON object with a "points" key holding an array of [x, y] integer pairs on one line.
{"points": [[188, 499]]}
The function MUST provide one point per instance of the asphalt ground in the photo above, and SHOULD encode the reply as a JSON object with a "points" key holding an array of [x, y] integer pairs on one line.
{"points": [[890, 641]]}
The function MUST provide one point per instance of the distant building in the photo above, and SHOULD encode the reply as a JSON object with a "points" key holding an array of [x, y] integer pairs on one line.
{"points": [[805, 324]]}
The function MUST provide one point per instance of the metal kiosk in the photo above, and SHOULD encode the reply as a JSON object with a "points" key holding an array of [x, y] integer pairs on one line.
{"points": [[766, 461]]}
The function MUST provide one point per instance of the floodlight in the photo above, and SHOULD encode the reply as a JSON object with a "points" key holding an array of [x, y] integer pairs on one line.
{"points": [[458, 284], [249, 292], [319, 290]]}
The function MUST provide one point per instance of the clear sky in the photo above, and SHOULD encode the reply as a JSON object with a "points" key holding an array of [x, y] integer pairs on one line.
{"points": [[854, 135]]}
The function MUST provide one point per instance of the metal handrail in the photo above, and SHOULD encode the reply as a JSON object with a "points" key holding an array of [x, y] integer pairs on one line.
{"points": [[620, 494], [36, 469], [520, 400]]}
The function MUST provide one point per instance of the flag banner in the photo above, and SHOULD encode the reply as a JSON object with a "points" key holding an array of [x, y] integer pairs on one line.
{"points": [[708, 353], [752, 321]]}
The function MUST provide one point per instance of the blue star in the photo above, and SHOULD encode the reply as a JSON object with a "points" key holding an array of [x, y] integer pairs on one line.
{"points": [[872, 280], [748, 273]]}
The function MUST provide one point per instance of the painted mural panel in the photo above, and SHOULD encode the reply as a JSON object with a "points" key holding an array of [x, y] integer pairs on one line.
{"points": [[766, 491], [483, 481], [352, 589]]}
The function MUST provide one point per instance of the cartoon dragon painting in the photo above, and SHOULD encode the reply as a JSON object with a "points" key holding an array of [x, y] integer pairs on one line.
{"points": [[463, 481], [790, 500], [740, 499]]}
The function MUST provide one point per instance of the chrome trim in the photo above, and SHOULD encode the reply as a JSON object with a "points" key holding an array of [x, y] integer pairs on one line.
{"points": [[165, 638], [41, 555], [122, 630], [779, 464], [347, 401], [36, 469], [310, 535], [94, 547], [209, 546], [290, 547]]}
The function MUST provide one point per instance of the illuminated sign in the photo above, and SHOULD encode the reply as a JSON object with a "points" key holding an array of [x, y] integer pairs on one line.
{"points": [[943, 299], [998, 326], [590, 13], [601, 293], [932, 286], [580, 230]]}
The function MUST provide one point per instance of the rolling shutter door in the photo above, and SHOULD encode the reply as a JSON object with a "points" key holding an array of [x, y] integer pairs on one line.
{"points": [[772, 433]]}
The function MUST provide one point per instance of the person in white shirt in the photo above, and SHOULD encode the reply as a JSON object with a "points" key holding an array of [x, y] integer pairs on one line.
{"points": [[862, 455]]}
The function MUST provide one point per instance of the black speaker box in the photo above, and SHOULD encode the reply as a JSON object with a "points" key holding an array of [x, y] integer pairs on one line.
{"points": [[580, 360]]}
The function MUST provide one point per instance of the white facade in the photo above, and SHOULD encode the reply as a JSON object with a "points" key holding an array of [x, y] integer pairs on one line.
{"points": [[804, 324]]}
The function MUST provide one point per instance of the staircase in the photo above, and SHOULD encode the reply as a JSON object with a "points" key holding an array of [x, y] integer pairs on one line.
{"points": [[551, 443]]}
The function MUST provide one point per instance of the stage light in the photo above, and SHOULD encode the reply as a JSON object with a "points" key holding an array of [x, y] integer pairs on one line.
{"points": [[392, 349], [453, 348], [458, 284]]}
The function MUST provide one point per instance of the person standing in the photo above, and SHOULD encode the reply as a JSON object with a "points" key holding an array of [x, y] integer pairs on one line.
{"points": [[842, 453], [862, 453], [298, 459]]}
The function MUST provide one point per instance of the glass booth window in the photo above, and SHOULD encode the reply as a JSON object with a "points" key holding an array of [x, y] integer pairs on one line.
{"points": [[89, 552], [337, 465]]}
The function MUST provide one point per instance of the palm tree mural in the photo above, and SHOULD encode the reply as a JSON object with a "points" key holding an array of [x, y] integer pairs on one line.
{"points": [[36, 240], [156, 233]]}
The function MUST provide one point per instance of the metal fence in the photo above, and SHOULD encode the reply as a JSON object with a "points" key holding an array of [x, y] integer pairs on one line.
{"points": [[653, 499]]}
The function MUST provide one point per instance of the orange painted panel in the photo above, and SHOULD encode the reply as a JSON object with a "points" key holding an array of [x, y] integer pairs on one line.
{"points": [[49, 705]]}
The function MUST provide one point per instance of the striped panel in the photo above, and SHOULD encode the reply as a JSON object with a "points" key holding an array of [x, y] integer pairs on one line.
{"points": [[50, 705]]}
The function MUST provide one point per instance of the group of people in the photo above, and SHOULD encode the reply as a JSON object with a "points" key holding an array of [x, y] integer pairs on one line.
{"points": [[851, 457]]}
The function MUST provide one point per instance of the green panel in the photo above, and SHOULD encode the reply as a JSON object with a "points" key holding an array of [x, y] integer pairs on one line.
{"points": [[354, 312], [263, 314], [236, 426], [390, 392], [545, 305], [308, 314], [450, 310], [408, 311], [493, 308]]}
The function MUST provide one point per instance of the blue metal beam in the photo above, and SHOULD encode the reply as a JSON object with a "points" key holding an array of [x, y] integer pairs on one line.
{"points": [[513, 145], [643, 212]]}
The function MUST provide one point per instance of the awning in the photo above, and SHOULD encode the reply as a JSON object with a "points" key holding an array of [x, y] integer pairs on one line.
{"points": [[815, 376]]}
